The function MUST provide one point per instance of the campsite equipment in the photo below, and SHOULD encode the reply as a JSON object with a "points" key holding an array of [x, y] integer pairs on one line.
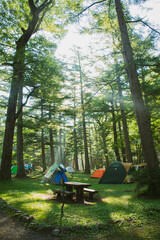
{"points": [[55, 174], [28, 168], [70, 169], [79, 186], [140, 166], [98, 173], [38, 168], [14, 169], [50, 170], [116, 173]]}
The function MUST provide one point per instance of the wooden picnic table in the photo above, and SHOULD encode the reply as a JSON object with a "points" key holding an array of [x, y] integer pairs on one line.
{"points": [[79, 189]]}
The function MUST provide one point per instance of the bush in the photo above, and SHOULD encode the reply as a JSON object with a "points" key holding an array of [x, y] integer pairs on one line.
{"points": [[148, 180]]}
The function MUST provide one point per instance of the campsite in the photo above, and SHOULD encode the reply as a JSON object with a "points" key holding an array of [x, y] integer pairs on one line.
{"points": [[80, 119], [115, 213]]}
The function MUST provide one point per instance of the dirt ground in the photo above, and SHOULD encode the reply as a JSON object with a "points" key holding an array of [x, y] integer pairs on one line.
{"points": [[11, 229]]}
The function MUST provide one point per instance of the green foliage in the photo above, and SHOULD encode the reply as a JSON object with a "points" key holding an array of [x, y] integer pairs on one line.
{"points": [[141, 178]]}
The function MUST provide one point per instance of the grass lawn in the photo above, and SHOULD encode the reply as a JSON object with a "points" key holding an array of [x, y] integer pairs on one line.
{"points": [[115, 214]]}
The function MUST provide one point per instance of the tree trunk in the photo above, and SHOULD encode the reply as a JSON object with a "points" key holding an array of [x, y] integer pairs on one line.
{"points": [[51, 146], [42, 141], [142, 115], [124, 122], [99, 157], [82, 161], [104, 144], [75, 147], [75, 134], [18, 72], [87, 164], [105, 150], [64, 145], [20, 170], [123, 150], [60, 146], [43, 151], [51, 140], [116, 148]]}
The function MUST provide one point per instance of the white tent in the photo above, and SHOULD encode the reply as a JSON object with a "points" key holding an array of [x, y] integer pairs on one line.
{"points": [[70, 169]]}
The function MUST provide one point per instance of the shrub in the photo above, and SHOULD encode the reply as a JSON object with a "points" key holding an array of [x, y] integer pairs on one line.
{"points": [[148, 180]]}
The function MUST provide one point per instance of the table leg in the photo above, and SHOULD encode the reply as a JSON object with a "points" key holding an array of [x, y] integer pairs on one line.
{"points": [[69, 188], [79, 195]]}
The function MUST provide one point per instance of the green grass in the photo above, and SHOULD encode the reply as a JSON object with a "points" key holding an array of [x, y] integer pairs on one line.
{"points": [[116, 214]]}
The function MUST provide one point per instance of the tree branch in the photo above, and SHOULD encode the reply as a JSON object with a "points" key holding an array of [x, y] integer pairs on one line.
{"points": [[148, 65], [32, 6], [6, 64], [39, 23], [45, 4], [28, 96], [139, 20], [90, 7]]}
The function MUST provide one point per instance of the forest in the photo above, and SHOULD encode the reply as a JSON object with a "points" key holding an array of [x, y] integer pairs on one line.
{"points": [[98, 107]]}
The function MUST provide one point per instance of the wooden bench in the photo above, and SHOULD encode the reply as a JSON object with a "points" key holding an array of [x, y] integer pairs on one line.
{"points": [[91, 192], [60, 193]]}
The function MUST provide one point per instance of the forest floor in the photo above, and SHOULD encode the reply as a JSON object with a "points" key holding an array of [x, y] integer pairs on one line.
{"points": [[11, 229], [115, 214]]}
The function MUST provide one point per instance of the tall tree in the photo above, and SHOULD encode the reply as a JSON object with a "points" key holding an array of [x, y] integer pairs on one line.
{"points": [[104, 132], [51, 141], [87, 164], [124, 120], [116, 147], [142, 114], [20, 164], [37, 14], [42, 137], [75, 132]]}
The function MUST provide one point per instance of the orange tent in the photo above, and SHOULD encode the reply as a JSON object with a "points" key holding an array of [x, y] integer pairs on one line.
{"points": [[98, 173]]}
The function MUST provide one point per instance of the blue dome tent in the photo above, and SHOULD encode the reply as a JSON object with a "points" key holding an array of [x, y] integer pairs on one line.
{"points": [[55, 174]]}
